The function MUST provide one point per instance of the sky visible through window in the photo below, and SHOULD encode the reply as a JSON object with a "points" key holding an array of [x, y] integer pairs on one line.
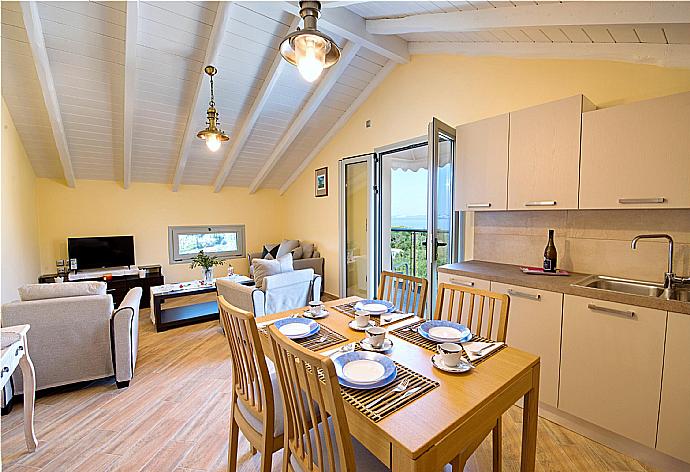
{"points": [[209, 242]]}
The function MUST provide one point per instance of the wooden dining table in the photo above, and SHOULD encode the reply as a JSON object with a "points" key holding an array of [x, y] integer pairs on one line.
{"points": [[429, 432]]}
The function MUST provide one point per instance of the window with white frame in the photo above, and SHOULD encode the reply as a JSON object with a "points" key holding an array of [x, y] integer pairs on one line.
{"points": [[225, 242]]}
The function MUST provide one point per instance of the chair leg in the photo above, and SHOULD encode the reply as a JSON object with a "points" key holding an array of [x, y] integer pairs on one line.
{"points": [[458, 463], [497, 443], [232, 445], [266, 460]]}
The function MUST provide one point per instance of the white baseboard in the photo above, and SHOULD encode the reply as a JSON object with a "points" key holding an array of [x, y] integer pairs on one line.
{"points": [[645, 454]]}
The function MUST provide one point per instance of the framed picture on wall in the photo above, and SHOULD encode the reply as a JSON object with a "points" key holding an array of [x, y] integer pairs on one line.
{"points": [[321, 182]]}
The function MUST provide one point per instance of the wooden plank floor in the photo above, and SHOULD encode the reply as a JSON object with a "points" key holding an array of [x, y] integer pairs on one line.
{"points": [[174, 417]]}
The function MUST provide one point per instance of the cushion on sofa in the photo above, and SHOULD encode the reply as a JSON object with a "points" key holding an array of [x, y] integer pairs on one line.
{"points": [[67, 289], [307, 250], [267, 267], [286, 246], [297, 253], [270, 251]]}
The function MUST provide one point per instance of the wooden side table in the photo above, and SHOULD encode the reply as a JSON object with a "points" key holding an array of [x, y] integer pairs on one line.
{"points": [[15, 353]]}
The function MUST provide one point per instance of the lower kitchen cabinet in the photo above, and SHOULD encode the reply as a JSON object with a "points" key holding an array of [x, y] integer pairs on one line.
{"points": [[611, 365], [673, 437], [534, 325]]}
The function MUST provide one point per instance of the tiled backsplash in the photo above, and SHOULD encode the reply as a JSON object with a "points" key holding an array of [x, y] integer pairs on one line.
{"points": [[591, 241]]}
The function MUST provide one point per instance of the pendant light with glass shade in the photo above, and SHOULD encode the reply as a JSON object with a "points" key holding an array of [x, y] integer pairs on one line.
{"points": [[212, 134], [308, 48]]}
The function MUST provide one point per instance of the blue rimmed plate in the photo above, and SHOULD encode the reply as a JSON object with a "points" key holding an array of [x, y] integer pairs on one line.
{"points": [[364, 370], [376, 306], [297, 328], [442, 331]]}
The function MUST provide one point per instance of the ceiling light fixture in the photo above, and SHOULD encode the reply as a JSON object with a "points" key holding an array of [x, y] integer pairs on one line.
{"points": [[308, 48], [212, 134]]}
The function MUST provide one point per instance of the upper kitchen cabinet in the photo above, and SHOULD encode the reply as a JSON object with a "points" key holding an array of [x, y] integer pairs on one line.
{"points": [[637, 155], [482, 165], [544, 155]]}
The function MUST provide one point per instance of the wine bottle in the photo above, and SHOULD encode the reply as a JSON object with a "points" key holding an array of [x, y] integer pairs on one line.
{"points": [[550, 254]]}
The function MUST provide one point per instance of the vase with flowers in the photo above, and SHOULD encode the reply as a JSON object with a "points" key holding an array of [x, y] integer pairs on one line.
{"points": [[206, 263]]}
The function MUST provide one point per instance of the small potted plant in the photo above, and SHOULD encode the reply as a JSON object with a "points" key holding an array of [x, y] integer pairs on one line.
{"points": [[207, 263]]}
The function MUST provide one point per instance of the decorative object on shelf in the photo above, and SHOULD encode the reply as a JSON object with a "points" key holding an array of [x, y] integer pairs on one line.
{"points": [[321, 182], [212, 134], [207, 263], [308, 48]]}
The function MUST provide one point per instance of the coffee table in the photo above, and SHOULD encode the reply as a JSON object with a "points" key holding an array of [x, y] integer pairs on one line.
{"points": [[167, 318]]}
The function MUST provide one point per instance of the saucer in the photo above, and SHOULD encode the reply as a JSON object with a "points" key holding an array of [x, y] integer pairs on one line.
{"points": [[464, 366], [308, 314], [353, 325], [366, 345]]}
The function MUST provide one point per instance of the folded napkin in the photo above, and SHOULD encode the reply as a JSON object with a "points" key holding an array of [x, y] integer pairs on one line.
{"points": [[476, 346], [7, 339]]}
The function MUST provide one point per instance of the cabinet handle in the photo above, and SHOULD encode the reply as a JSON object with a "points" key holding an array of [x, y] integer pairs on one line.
{"points": [[464, 283], [611, 311], [478, 205], [528, 296], [541, 203], [633, 201]]}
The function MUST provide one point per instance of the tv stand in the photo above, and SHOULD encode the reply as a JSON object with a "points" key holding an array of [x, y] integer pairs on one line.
{"points": [[119, 285]]}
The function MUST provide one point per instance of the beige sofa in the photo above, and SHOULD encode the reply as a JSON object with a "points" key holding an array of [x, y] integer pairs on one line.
{"points": [[299, 250], [76, 335]]}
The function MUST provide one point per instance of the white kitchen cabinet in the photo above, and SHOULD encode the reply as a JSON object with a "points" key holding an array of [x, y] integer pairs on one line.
{"points": [[673, 437], [544, 155], [611, 363], [534, 325], [637, 155], [481, 165]]}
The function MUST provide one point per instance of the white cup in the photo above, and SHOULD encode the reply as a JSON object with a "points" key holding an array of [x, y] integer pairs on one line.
{"points": [[362, 319], [377, 336], [59, 280], [142, 273], [451, 353], [315, 308]]}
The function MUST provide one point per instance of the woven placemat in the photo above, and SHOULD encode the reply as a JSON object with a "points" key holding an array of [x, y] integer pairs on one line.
{"points": [[324, 338], [349, 310], [360, 398], [410, 334]]}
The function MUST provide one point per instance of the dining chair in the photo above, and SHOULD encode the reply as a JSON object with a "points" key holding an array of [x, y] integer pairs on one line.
{"points": [[406, 292], [317, 436], [485, 313], [256, 410]]}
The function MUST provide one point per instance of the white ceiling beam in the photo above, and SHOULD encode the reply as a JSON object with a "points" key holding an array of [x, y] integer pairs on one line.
{"points": [[131, 39], [34, 32], [666, 55], [318, 96], [352, 27], [215, 42], [375, 82], [240, 137], [525, 16]]}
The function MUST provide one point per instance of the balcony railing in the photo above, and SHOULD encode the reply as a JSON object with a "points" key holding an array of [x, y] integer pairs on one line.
{"points": [[408, 251]]}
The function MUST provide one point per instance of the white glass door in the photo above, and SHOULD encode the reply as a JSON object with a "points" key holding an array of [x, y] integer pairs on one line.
{"points": [[442, 227], [356, 231]]}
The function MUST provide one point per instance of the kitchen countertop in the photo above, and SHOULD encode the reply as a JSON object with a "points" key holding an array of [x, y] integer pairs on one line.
{"points": [[511, 274]]}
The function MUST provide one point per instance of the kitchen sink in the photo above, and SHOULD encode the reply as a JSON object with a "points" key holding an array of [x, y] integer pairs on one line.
{"points": [[633, 287]]}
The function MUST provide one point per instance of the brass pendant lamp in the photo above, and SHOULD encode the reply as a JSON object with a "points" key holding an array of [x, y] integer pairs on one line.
{"points": [[308, 48], [212, 134]]}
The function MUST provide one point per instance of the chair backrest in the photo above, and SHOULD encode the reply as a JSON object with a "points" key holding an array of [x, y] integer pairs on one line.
{"points": [[311, 392], [407, 293], [250, 377], [477, 309], [288, 290]]}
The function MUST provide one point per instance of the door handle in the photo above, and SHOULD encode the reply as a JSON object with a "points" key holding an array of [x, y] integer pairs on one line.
{"points": [[528, 296], [611, 311]]}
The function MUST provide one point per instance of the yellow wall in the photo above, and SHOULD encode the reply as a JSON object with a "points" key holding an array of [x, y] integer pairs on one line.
{"points": [[19, 236], [458, 90], [145, 210]]}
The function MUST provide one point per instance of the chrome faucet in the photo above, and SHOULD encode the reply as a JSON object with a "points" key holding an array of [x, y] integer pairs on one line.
{"points": [[670, 279]]}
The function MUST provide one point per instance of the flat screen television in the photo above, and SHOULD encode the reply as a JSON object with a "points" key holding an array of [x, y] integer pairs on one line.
{"points": [[101, 251]]}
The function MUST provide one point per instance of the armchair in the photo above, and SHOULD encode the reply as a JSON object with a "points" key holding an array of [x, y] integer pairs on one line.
{"points": [[76, 335], [280, 292]]}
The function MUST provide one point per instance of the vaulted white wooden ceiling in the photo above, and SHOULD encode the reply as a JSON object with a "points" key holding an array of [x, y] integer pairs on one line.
{"points": [[116, 90]]}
